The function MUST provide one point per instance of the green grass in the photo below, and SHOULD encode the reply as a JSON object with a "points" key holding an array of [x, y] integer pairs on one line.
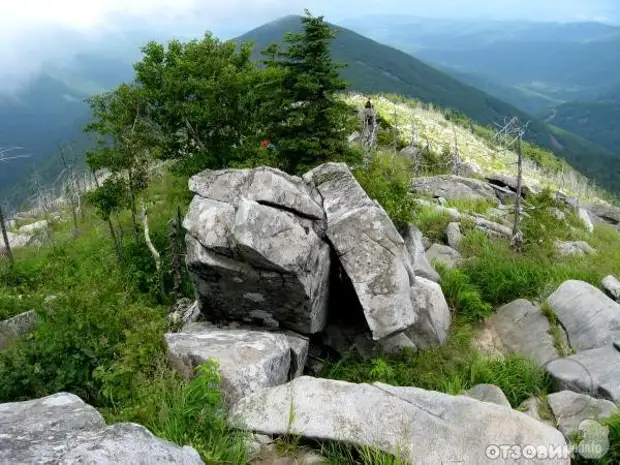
{"points": [[102, 338], [480, 206], [432, 222]]}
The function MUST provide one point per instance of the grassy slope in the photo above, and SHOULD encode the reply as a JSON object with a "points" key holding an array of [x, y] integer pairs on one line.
{"points": [[374, 67]]}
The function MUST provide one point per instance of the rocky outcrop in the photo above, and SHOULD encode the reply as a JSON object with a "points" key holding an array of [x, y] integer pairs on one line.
{"points": [[34, 228], [595, 372], [369, 248], [524, 329], [605, 213], [612, 286], [488, 393], [590, 318], [248, 359], [492, 229], [570, 409], [445, 255], [62, 429], [254, 245], [417, 253], [417, 425], [511, 182], [573, 249], [454, 235], [452, 187], [17, 327], [16, 241]]}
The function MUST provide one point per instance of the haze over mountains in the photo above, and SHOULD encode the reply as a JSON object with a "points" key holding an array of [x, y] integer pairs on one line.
{"points": [[567, 74]]}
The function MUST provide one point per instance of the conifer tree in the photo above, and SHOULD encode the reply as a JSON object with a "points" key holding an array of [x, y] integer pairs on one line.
{"points": [[305, 118]]}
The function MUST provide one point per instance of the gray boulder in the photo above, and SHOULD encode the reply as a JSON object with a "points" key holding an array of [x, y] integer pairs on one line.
{"points": [[511, 182], [492, 229], [572, 249], [17, 327], [16, 241], [254, 245], [524, 329], [443, 254], [595, 372], [452, 187], [434, 323], [605, 213], [488, 393], [33, 228], [557, 213], [415, 246], [468, 170], [419, 426], [571, 408], [61, 429], [612, 286], [590, 318], [370, 249], [248, 359], [453, 233]]}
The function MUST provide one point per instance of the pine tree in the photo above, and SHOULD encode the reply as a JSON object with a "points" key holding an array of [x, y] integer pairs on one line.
{"points": [[305, 118]]}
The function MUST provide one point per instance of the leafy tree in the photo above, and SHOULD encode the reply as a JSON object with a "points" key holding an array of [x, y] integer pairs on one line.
{"points": [[201, 100], [305, 118], [124, 138]]}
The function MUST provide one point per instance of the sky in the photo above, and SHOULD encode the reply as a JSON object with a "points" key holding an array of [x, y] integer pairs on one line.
{"points": [[36, 32]]}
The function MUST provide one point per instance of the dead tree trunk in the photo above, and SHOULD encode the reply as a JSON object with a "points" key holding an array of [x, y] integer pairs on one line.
{"points": [[70, 193], [517, 236], [174, 231], [152, 249], [5, 237]]}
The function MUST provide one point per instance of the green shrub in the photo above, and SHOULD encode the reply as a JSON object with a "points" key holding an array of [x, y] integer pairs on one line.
{"points": [[612, 457], [386, 179]]}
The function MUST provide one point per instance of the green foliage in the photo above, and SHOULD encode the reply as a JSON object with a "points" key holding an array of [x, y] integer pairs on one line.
{"points": [[463, 296], [480, 206], [432, 222], [450, 368], [338, 453], [386, 179], [200, 101], [111, 197], [303, 114]]}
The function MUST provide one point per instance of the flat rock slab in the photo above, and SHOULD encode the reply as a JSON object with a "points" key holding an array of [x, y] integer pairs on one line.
{"points": [[492, 229], [612, 286], [254, 244], [421, 426], [369, 248], [61, 429], [17, 327], [488, 393], [414, 241], [595, 372], [445, 255], [590, 318], [452, 187], [248, 360], [571, 408], [524, 329], [605, 213]]}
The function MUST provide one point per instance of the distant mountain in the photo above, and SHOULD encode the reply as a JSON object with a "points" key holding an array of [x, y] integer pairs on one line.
{"points": [[377, 68], [573, 61]]}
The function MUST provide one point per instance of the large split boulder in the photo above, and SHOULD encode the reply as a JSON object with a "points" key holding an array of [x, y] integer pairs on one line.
{"points": [[452, 187], [605, 213], [248, 359], [511, 182], [62, 429], [369, 248], [419, 426], [254, 246], [590, 318], [524, 329]]}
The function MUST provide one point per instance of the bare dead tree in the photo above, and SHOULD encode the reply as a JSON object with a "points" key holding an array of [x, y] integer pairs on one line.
{"points": [[152, 249], [5, 158], [70, 191], [456, 156], [40, 200], [174, 237], [370, 129], [507, 136]]}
